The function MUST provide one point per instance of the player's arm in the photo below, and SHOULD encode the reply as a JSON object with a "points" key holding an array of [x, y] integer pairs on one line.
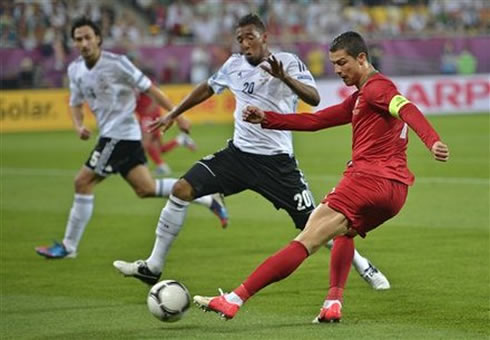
{"points": [[411, 115], [159, 97], [384, 95], [199, 94], [331, 116], [163, 101], [305, 92], [77, 118]]}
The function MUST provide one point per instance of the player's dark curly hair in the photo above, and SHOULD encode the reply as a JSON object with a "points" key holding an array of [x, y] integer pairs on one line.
{"points": [[351, 42], [251, 19], [84, 21]]}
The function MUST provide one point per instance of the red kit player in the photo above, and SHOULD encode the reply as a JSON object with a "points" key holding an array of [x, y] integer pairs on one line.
{"points": [[372, 190], [148, 111]]}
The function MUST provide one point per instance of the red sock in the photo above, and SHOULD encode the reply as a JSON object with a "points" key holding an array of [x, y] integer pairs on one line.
{"points": [[275, 268], [340, 263], [154, 154], [169, 146]]}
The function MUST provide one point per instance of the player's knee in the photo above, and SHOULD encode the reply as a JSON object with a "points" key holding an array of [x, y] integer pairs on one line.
{"points": [[183, 190], [82, 184]]}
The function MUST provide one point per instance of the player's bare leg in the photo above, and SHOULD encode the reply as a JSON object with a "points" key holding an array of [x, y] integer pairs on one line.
{"points": [[323, 224]]}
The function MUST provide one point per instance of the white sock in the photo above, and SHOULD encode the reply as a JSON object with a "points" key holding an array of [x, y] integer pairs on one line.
{"points": [[233, 298], [169, 224], [204, 200], [359, 262], [164, 186], [80, 214]]}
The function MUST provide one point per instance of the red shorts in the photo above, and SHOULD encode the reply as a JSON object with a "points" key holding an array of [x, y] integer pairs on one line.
{"points": [[367, 201]]}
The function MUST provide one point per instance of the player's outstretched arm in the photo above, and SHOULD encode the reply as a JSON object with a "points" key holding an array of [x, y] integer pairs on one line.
{"points": [[331, 116], [306, 93], [77, 117], [199, 94]]}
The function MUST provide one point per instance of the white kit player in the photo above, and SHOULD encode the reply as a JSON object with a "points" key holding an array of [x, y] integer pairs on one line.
{"points": [[108, 83], [257, 159]]}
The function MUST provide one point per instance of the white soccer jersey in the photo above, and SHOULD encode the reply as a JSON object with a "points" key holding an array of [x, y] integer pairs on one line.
{"points": [[251, 85], [109, 88]]}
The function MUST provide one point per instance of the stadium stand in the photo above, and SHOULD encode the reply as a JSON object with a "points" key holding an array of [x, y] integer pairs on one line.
{"points": [[36, 45]]}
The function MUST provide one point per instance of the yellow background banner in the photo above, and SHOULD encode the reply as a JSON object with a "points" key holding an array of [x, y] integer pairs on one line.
{"points": [[45, 110]]}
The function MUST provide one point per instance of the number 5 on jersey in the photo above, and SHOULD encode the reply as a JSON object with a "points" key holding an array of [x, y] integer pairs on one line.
{"points": [[94, 158]]}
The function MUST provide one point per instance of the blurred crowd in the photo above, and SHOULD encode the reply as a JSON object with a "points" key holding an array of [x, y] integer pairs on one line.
{"points": [[30, 23], [44, 25]]}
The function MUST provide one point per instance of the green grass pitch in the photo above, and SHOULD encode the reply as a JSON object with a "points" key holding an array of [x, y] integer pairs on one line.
{"points": [[435, 252]]}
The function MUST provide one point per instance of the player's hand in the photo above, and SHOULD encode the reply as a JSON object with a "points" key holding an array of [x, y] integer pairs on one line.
{"points": [[184, 124], [275, 69], [164, 123], [440, 151], [253, 114], [83, 133]]}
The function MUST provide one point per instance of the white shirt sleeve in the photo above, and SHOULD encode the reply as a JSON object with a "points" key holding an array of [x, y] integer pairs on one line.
{"points": [[133, 75], [219, 81], [76, 94], [298, 70]]}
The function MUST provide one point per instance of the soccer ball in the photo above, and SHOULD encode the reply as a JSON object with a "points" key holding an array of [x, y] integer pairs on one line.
{"points": [[168, 300]]}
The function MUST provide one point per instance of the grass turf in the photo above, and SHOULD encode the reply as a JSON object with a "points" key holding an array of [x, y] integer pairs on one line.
{"points": [[435, 253]]}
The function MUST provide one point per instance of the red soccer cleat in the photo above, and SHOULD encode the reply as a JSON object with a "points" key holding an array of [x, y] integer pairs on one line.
{"points": [[331, 314], [217, 304]]}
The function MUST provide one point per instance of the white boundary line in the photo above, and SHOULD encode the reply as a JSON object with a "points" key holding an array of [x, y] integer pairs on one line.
{"points": [[7, 171]]}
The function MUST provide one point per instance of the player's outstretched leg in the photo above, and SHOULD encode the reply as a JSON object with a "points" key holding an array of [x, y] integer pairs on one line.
{"points": [[169, 225], [372, 275]]}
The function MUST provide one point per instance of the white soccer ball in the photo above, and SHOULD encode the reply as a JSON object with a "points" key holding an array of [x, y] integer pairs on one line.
{"points": [[168, 300]]}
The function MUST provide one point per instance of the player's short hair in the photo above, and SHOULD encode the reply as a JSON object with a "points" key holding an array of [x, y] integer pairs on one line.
{"points": [[251, 19], [84, 21], [351, 42]]}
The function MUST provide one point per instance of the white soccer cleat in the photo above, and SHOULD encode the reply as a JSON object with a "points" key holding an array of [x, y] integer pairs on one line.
{"points": [[375, 278], [137, 269], [185, 140], [163, 170]]}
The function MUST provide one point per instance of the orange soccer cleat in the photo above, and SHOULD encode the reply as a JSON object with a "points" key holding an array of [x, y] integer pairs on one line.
{"points": [[217, 304], [332, 313]]}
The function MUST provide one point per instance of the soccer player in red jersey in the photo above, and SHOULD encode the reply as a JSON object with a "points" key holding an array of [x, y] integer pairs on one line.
{"points": [[372, 190], [148, 111]]}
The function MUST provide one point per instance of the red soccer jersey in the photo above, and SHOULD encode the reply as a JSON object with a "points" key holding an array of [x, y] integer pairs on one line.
{"points": [[379, 140]]}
